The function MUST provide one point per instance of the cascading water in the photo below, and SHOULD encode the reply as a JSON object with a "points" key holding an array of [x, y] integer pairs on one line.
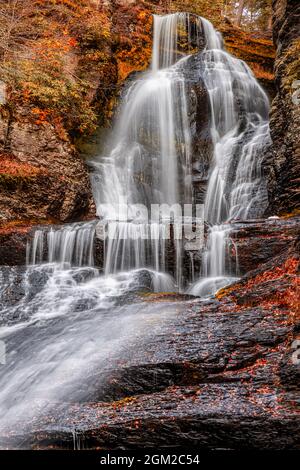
{"points": [[150, 157], [149, 161], [240, 132], [71, 244]]}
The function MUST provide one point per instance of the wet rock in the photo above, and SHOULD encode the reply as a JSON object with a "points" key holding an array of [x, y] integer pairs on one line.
{"points": [[254, 242], [211, 379], [207, 417], [13, 243], [12, 285], [199, 115], [19, 284], [282, 160]]}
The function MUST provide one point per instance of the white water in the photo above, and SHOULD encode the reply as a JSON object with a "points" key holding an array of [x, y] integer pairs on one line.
{"points": [[72, 244], [77, 326], [240, 132], [149, 159]]}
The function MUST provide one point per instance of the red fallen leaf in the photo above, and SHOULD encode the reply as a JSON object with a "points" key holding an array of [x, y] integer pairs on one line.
{"points": [[72, 42]]}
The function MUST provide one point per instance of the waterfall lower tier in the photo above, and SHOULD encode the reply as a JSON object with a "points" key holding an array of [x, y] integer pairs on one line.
{"points": [[215, 268], [64, 330], [71, 244], [164, 249]]}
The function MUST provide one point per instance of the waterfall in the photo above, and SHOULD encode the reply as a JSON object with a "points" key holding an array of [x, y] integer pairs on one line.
{"points": [[149, 159], [240, 132], [71, 244], [66, 324], [175, 35], [129, 248]]}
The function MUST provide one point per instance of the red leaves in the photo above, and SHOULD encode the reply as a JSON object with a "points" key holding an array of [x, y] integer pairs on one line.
{"points": [[290, 267], [72, 42], [275, 290], [11, 167], [41, 114]]}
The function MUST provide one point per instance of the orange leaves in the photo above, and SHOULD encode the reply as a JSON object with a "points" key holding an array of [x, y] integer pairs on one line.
{"points": [[292, 297], [276, 289], [143, 15], [11, 167], [41, 115], [53, 49], [72, 42], [290, 267], [260, 72], [124, 402], [52, 75], [26, 93]]}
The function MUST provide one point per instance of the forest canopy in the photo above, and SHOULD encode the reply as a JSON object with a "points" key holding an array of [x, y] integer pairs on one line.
{"points": [[251, 15]]}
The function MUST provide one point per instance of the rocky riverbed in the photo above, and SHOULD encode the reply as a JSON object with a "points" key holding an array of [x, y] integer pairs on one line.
{"points": [[219, 373]]}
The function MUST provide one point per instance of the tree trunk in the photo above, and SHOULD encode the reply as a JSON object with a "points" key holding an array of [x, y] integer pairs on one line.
{"points": [[240, 12], [270, 22]]}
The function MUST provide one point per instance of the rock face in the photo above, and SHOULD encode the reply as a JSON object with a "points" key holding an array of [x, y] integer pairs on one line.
{"points": [[282, 163], [199, 116], [13, 243], [41, 175], [256, 241]]}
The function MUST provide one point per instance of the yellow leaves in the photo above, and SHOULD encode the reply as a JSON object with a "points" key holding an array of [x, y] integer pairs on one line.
{"points": [[143, 15], [95, 31], [47, 76]]}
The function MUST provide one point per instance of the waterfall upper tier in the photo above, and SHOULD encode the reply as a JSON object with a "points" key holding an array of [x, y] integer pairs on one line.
{"points": [[190, 130]]}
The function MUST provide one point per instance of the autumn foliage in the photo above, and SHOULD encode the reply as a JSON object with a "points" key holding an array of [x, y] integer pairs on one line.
{"points": [[276, 288], [49, 41]]}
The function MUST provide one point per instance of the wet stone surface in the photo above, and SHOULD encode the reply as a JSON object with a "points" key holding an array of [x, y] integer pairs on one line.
{"points": [[216, 374]]}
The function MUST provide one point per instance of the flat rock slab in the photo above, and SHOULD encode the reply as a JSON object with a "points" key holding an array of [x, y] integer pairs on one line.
{"points": [[210, 378], [211, 416]]}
